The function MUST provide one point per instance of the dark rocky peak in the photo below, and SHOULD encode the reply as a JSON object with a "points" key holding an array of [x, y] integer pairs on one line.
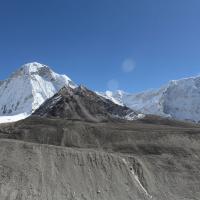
{"points": [[82, 104]]}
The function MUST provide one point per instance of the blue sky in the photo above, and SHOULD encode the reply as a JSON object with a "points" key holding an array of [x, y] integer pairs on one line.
{"points": [[132, 45]]}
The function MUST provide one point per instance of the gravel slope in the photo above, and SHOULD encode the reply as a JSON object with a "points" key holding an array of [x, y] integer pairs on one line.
{"points": [[145, 159]]}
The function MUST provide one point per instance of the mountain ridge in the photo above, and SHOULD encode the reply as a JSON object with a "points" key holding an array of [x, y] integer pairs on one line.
{"points": [[33, 83], [179, 99]]}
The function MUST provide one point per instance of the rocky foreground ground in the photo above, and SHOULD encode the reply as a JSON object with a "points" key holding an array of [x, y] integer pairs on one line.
{"points": [[58, 159]]}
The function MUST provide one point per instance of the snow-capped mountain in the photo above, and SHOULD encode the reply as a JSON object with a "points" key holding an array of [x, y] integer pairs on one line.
{"points": [[31, 85], [179, 99], [26, 89]]}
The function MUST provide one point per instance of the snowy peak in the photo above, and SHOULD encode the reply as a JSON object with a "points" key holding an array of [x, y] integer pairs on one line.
{"points": [[30, 69], [26, 89], [33, 67], [179, 99], [116, 96]]}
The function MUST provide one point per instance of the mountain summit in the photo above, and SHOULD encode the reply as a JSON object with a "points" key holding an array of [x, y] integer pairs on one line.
{"points": [[26, 89], [81, 103]]}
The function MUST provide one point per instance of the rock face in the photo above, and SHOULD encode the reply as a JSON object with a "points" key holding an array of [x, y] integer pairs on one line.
{"points": [[178, 99], [83, 104], [28, 88]]}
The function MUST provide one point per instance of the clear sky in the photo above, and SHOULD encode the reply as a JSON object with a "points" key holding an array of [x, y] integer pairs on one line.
{"points": [[132, 45]]}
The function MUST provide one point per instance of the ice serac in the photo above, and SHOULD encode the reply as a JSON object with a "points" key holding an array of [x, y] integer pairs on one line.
{"points": [[179, 99], [26, 89]]}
